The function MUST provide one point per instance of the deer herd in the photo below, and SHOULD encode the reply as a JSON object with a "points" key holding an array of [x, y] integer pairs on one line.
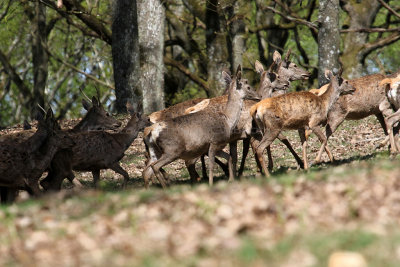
{"points": [[200, 127]]}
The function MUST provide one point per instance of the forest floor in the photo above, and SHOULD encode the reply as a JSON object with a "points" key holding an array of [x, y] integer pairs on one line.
{"points": [[294, 218]]}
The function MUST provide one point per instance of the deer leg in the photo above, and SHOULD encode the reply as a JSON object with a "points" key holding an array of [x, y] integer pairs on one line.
{"points": [[118, 169], [157, 165], [203, 168], [8, 195], [322, 138], [33, 186], [270, 134], [96, 178], [194, 176], [286, 142], [303, 139], [232, 160], [390, 121], [211, 158], [254, 144], [246, 146]]}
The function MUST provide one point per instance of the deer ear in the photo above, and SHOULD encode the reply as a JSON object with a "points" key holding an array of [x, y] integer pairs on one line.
{"points": [[259, 67], [86, 105], [227, 78], [287, 57], [328, 74], [95, 101], [239, 73], [276, 57]]}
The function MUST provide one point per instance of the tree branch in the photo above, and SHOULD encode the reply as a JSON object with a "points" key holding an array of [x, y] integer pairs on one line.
{"points": [[391, 10], [187, 72], [80, 71], [370, 30], [15, 77], [369, 47], [297, 20]]}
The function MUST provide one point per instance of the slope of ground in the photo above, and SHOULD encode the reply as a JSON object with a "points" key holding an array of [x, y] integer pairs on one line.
{"points": [[295, 218]]}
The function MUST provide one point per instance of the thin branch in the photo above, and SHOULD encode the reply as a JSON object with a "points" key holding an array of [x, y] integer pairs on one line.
{"points": [[368, 48], [391, 10], [80, 71], [15, 77], [187, 72], [311, 25], [370, 30], [2, 16]]}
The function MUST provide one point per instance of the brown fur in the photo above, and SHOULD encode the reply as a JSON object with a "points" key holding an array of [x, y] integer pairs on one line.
{"points": [[190, 136], [96, 150], [22, 162], [298, 110]]}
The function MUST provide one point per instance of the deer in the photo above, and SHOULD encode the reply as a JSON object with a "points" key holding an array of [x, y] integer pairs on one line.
{"points": [[287, 71], [290, 73], [392, 101], [296, 110], [22, 162], [364, 102], [192, 135], [97, 150], [96, 118]]}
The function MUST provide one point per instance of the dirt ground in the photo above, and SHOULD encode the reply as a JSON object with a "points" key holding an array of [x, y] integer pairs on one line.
{"points": [[293, 218]]}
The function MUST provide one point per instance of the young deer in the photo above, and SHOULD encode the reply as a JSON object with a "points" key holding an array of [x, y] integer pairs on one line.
{"points": [[192, 135], [22, 162], [392, 100], [298, 110], [96, 150], [364, 102]]}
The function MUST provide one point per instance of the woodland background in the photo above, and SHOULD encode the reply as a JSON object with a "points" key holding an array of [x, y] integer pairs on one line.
{"points": [[164, 52]]}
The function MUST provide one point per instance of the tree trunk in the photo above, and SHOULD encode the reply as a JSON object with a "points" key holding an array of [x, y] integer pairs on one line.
{"points": [[39, 55], [361, 15], [217, 51], [328, 38], [237, 34], [125, 53], [151, 41]]}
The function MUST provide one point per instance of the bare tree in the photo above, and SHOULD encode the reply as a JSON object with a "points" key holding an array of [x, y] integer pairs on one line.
{"points": [[328, 38], [151, 17], [125, 53]]}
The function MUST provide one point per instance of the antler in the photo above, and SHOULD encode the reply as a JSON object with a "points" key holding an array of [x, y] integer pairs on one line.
{"points": [[81, 89]]}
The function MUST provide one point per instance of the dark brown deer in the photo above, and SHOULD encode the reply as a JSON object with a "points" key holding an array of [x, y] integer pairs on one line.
{"points": [[96, 150], [23, 162], [298, 110], [192, 135]]}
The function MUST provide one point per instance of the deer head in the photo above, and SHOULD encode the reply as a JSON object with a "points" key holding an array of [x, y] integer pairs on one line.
{"points": [[97, 117]]}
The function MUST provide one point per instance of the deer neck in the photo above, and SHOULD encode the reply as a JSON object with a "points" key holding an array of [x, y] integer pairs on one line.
{"points": [[330, 96], [233, 109], [126, 136], [36, 140], [47, 152]]}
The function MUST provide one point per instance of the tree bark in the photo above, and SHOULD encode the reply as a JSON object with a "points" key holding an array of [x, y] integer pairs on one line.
{"points": [[39, 55], [237, 32], [125, 53], [151, 42], [217, 51], [361, 15], [328, 38]]}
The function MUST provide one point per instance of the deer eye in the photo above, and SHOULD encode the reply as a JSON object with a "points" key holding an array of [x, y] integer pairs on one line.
{"points": [[107, 114]]}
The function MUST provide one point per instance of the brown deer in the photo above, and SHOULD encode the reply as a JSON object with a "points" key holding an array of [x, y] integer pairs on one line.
{"points": [[96, 118], [96, 150], [297, 110], [392, 101], [190, 136], [363, 103], [287, 71], [23, 162]]}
